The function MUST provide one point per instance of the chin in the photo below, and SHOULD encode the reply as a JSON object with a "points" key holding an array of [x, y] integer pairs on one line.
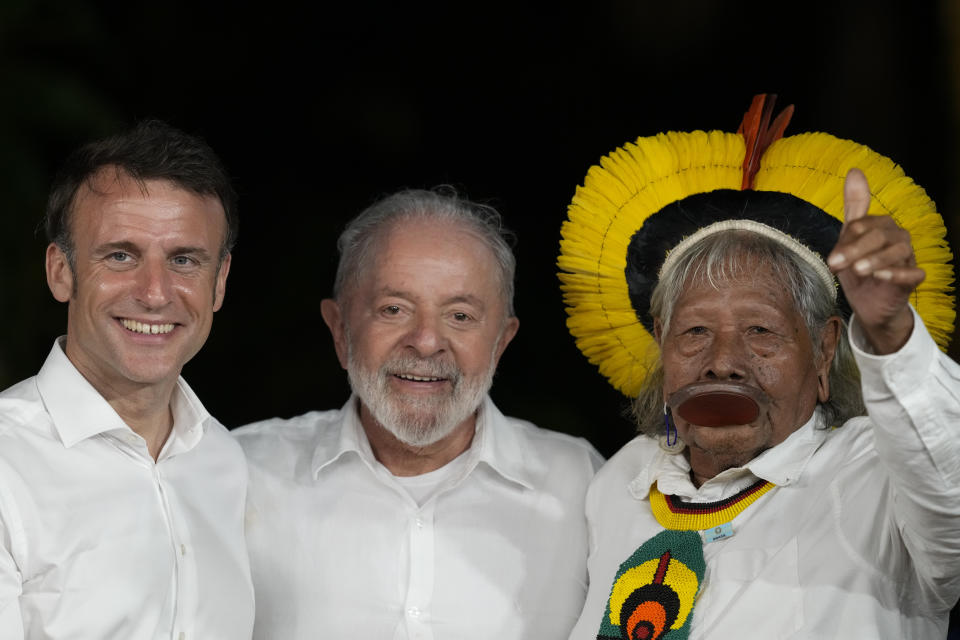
{"points": [[419, 431], [153, 373], [729, 446]]}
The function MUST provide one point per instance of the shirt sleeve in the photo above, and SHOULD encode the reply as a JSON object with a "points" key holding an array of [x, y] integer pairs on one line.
{"points": [[913, 401], [11, 623]]}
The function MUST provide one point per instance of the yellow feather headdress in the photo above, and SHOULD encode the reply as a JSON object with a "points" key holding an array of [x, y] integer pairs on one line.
{"points": [[637, 180]]}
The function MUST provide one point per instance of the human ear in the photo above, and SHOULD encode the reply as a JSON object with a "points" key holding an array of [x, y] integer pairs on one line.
{"points": [[59, 273], [333, 317], [220, 288], [829, 338], [510, 328]]}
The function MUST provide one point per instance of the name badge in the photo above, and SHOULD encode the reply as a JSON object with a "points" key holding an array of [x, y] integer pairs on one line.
{"points": [[725, 530]]}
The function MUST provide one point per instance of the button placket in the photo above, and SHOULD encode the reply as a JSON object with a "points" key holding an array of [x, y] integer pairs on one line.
{"points": [[184, 566], [420, 584]]}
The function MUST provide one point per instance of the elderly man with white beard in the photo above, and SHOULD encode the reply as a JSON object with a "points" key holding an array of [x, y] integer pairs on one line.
{"points": [[418, 510]]}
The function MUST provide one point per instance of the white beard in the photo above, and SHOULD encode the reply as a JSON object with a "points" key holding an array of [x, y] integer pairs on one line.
{"points": [[419, 420]]}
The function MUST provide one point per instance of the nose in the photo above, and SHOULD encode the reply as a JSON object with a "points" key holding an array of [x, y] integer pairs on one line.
{"points": [[426, 336], [726, 358], [153, 284]]}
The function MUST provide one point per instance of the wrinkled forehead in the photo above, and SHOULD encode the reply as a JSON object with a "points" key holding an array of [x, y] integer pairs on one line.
{"points": [[418, 250], [751, 275], [743, 267], [421, 236]]}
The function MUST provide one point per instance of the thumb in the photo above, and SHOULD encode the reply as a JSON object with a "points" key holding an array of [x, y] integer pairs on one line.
{"points": [[856, 195]]}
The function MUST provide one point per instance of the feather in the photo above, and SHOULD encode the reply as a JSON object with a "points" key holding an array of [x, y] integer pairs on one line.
{"points": [[758, 134]]}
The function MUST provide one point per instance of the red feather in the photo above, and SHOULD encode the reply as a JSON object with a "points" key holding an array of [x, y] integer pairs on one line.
{"points": [[758, 134]]}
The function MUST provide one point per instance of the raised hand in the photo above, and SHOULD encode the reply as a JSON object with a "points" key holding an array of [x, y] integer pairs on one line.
{"points": [[874, 261]]}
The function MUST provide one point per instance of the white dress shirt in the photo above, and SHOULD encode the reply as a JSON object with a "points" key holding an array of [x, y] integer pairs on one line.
{"points": [[340, 550], [99, 541], [860, 537]]}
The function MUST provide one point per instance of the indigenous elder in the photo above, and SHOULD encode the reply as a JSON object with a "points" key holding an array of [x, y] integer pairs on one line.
{"points": [[418, 510], [774, 505], [121, 498]]}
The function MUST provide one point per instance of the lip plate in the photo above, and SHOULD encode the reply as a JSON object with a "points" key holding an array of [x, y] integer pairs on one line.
{"points": [[718, 403], [719, 408]]}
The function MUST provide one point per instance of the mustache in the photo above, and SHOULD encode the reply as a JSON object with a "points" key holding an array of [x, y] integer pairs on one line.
{"points": [[424, 367]]}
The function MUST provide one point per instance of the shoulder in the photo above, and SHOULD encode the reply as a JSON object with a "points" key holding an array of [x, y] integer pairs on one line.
{"points": [[554, 447], [295, 429], [277, 438], [22, 411], [627, 463], [217, 437], [852, 441]]}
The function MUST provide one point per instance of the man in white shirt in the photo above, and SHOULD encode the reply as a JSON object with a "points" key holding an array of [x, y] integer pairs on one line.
{"points": [[788, 482], [417, 510], [121, 498]]}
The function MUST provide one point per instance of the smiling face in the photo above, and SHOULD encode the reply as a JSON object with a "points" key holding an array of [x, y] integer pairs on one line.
{"points": [[422, 330], [745, 330], [146, 280]]}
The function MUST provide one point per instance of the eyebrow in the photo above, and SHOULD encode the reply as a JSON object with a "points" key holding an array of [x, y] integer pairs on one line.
{"points": [[466, 298], [109, 247], [199, 252]]}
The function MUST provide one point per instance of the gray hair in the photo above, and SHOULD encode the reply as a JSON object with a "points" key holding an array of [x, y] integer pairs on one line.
{"points": [[442, 204], [731, 255]]}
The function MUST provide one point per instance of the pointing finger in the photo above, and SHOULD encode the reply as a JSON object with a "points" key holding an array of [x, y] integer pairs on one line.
{"points": [[856, 195]]}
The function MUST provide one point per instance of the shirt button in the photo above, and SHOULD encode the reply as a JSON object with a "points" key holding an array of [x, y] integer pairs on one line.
{"points": [[419, 522], [413, 612], [183, 549]]}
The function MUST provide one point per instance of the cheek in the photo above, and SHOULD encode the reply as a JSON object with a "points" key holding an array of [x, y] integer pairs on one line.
{"points": [[99, 294], [472, 356], [789, 367], [195, 290], [372, 348], [678, 372], [769, 374], [789, 382]]}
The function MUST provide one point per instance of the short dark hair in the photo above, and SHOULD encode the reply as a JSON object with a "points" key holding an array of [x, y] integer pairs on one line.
{"points": [[151, 150]]}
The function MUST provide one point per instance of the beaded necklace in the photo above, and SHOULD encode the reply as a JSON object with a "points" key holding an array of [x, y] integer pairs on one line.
{"points": [[656, 588], [679, 515]]}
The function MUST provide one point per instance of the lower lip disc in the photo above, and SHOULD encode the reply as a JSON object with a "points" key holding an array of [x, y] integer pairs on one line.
{"points": [[716, 404]]}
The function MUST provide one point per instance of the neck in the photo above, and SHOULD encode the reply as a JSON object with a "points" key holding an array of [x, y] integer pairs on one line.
{"points": [[705, 465], [145, 408], [147, 414], [402, 459]]}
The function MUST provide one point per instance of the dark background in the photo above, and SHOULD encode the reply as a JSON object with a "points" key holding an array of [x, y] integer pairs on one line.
{"points": [[319, 109]]}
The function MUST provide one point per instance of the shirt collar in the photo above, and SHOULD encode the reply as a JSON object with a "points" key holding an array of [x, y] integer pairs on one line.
{"points": [[784, 464], [351, 439], [494, 443], [498, 445], [781, 465], [79, 411], [190, 420]]}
